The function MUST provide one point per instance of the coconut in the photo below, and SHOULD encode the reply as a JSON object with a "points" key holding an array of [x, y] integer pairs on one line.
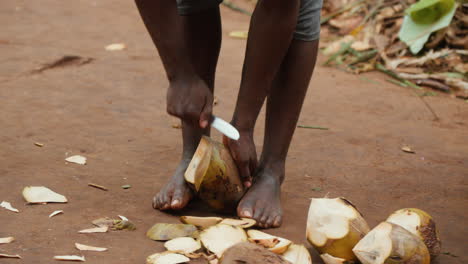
{"points": [[297, 254], [220, 237], [214, 175], [334, 227], [166, 258], [275, 244], [184, 245], [390, 243], [202, 222], [421, 224]]}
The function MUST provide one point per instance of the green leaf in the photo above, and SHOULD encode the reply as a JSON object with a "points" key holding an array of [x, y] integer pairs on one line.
{"points": [[429, 11], [416, 35]]}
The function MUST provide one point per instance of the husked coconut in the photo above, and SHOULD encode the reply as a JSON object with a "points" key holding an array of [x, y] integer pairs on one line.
{"points": [[251, 254], [166, 258], [184, 245], [421, 224], [334, 227], [220, 237], [243, 222], [214, 175], [390, 243], [259, 237], [202, 222], [297, 254]]}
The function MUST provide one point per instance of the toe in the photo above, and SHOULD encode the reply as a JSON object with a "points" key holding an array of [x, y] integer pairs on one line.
{"points": [[179, 199], [155, 202], [245, 210], [263, 220], [277, 222], [270, 221]]}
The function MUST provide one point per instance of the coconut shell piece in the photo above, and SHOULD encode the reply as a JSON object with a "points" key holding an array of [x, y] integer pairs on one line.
{"points": [[335, 226], [166, 258], [201, 222], [3, 255], [220, 237], [70, 258], [260, 238], [83, 247], [100, 229], [8, 206], [251, 254], [297, 254], [6, 240], [163, 232], [329, 259], [184, 245], [421, 224], [390, 243], [41, 195], [243, 222], [214, 176]]}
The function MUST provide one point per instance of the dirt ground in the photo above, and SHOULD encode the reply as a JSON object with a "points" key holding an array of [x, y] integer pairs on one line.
{"points": [[112, 110]]}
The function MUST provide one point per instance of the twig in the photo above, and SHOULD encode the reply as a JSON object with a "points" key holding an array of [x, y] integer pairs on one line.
{"points": [[344, 48], [236, 8], [313, 127], [341, 10], [97, 186]]}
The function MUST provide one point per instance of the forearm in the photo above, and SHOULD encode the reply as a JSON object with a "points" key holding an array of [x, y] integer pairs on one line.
{"points": [[270, 35]]}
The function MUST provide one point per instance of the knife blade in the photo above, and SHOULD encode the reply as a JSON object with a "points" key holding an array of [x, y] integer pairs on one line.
{"points": [[225, 128]]}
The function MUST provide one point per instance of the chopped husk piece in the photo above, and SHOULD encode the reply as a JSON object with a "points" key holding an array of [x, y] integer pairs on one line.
{"points": [[104, 221], [70, 258], [183, 245], [251, 254], [163, 232], [220, 237], [54, 213], [329, 259], [41, 195], [390, 243], [166, 258], [3, 255], [243, 222], [6, 240], [100, 229], [214, 175], [202, 222], [334, 226], [77, 159], [8, 206], [297, 254], [279, 248], [121, 224], [421, 224], [266, 242], [83, 247]]}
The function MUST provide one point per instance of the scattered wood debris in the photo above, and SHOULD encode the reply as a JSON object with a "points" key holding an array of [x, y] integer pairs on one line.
{"points": [[97, 186]]}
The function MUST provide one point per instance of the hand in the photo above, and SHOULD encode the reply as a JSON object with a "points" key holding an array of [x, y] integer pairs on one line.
{"points": [[191, 101], [244, 154]]}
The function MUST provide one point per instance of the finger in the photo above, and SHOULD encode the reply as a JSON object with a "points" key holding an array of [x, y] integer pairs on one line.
{"points": [[245, 174], [206, 115]]}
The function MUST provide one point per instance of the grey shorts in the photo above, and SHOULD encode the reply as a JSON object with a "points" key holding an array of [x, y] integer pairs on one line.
{"points": [[308, 21]]}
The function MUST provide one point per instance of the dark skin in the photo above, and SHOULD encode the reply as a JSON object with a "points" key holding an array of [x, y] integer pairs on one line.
{"points": [[276, 68]]}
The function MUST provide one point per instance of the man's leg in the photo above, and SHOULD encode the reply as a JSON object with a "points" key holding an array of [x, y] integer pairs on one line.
{"points": [[189, 47], [262, 201]]}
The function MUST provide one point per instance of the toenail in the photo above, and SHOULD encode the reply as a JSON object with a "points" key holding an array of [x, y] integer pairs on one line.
{"points": [[247, 213], [175, 202]]}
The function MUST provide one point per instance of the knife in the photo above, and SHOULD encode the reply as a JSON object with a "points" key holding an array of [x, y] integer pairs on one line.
{"points": [[225, 128]]}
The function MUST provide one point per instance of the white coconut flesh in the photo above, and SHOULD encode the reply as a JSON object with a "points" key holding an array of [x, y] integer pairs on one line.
{"points": [[376, 246], [297, 254], [166, 258], [183, 245], [199, 164], [407, 219], [220, 237], [329, 219], [199, 221], [329, 259], [279, 248]]}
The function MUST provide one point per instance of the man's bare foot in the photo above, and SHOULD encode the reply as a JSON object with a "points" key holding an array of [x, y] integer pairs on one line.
{"points": [[176, 194], [262, 201]]}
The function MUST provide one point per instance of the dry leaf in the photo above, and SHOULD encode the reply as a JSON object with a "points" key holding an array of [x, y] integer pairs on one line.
{"points": [[41, 195], [101, 229], [70, 258], [77, 159], [239, 34], [2, 255], [116, 47], [407, 149], [8, 206], [55, 213], [89, 248], [6, 240]]}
